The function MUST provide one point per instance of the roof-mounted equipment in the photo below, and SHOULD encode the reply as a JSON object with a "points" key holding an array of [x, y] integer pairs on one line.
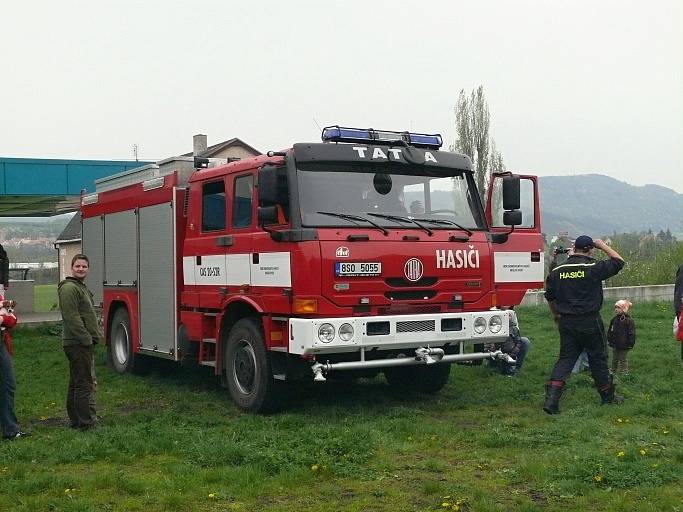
{"points": [[420, 140]]}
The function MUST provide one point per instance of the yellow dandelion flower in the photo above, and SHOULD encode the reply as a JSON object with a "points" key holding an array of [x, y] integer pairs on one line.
{"points": [[642, 451], [212, 495], [627, 420], [456, 507], [619, 420], [665, 431], [315, 467], [445, 504], [597, 478], [620, 454]]}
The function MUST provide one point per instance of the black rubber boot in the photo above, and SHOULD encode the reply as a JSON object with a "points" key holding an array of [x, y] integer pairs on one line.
{"points": [[553, 393], [609, 396]]}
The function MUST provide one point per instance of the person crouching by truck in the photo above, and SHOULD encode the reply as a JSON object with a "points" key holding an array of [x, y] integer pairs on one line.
{"points": [[574, 294], [80, 335], [516, 346]]}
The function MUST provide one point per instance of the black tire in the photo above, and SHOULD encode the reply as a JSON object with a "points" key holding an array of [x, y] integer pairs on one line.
{"points": [[247, 368], [423, 379], [120, 355]]}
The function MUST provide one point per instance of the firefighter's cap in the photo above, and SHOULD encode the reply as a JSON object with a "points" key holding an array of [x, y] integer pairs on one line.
{"points": [[584, 242]]}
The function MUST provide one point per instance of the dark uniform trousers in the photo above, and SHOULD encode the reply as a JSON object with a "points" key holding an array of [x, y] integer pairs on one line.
{"points": [[80, 397], [576, 334]]}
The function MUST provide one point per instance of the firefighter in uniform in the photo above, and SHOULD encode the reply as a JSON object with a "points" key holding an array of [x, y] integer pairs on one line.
{"points": [[574, 295]]}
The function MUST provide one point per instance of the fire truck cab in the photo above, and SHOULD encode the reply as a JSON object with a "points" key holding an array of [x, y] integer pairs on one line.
{"points": [[369, 251]]}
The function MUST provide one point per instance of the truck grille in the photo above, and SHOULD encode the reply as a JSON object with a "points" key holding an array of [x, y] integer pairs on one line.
{"points": [[416, 326], [409, 309], [410, 295], [400, 282]]}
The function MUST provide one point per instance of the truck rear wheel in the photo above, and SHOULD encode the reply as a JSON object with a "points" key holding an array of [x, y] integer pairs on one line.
{"points": [[120, 355], [247, 368], [423, 379]]}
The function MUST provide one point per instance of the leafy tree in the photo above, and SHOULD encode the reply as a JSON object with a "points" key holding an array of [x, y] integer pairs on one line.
{"points": [[472, 120]]}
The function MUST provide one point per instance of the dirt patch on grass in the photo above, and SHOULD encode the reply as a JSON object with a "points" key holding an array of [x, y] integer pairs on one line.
{"points": [[52, 421]]}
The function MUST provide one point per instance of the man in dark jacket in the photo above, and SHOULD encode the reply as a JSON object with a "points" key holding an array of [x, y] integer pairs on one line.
{"points": [[81, 333], [574, 294]]}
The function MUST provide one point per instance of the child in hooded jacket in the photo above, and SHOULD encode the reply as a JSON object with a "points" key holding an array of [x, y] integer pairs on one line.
{"points": [[621, 335]]}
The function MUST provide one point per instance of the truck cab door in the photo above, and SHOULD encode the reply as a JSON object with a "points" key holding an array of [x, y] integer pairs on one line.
{"points": [[518, 257]]}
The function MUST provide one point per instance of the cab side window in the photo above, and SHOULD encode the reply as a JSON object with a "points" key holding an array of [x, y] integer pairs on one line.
{"points": [[527, 196], [242, 205], [213, 206]]}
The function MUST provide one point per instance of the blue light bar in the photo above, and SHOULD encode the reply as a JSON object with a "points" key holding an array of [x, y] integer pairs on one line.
{"points": [[334, 133], [420, 140]]}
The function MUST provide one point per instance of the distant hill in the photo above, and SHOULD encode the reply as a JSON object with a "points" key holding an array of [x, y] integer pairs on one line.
{"points": [[599, 205]]}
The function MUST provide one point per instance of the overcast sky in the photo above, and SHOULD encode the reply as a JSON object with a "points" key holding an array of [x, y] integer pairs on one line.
{"points": [[573, 86]]}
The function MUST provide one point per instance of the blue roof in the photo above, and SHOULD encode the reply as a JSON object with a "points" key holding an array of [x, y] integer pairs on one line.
{"points": [[40, 187]]}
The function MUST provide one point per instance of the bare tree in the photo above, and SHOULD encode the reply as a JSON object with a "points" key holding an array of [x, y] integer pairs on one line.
{"points": [[472, 120]]}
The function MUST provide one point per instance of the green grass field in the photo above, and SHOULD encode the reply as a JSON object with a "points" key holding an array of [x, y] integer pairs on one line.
{"points": [[45, 298], [174, 441]]}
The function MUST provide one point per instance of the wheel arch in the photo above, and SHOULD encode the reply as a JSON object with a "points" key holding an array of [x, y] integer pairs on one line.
{"points": [[114, 306], [234, 311]]}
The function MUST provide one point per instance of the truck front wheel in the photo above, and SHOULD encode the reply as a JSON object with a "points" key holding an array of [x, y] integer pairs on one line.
{"points": [[247, 368], [423, 379]]}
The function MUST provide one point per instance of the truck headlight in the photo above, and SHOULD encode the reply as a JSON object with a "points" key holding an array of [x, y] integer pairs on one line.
{"points": [[326, 333], [346, 332], [480, 324], [495, 324]]}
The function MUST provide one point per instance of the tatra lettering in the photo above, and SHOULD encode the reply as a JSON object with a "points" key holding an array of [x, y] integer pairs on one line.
{"points": [[430, 158], [461, 258], [360, 150], [378, 153], [396, 153]]}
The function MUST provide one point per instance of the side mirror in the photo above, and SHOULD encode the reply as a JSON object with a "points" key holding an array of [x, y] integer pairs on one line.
{"points": [[512, 218], [268, 186], [511, 193], [267, 215]]}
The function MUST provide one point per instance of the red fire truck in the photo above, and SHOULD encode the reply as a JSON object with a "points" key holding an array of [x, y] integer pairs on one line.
{"points": [[369, 251]]}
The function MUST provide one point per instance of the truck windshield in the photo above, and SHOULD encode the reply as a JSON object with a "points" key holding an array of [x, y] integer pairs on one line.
{"points": [[387, 195]]}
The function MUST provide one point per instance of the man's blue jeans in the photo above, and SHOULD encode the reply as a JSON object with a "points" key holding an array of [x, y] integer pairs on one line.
{"points": [[8, 384]]}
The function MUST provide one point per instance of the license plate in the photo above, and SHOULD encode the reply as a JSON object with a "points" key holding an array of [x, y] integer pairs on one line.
{"points": [[357, 269]]}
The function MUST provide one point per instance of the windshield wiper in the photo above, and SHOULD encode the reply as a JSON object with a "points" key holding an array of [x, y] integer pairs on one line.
{"points": [[398, 218], [355, 218], [447, 222]]}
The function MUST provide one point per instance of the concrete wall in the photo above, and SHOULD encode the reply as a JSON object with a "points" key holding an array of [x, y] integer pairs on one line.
{"points": [[657, 292], [22, 292]]}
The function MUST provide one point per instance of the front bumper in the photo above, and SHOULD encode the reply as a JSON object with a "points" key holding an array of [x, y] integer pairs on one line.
{"points": [[396, 332]]}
